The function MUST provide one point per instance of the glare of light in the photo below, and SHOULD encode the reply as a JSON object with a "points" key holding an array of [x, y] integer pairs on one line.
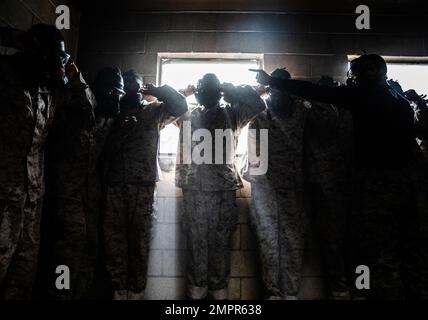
{"points": [[179, 73], [410, 76]]}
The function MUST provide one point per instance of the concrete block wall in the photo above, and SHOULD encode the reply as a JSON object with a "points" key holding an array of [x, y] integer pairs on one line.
{"points": [[167, 264], [22, 14], [310, 44], [310, 38]]}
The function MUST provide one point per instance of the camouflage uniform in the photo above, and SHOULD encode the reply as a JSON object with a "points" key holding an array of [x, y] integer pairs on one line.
{"points": [[277, 208], [421, 128], [383, 221], [327, 181], [70, 145], [25, 117], [393, 257], [131, 175], [210, 215]]}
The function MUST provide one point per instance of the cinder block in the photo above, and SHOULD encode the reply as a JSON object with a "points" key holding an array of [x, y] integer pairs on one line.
{"points": [[236, 239], [248, 239], [44, 10], [332, 23], [240, 42], [409, 45], [234, 289], [280, 43], [243, 22], [138, 21], [243, 209], [207, 22], [408, 24], [150, 79], [246, 190], [290, 23], [155, 263], [168, 236], [181, 22], [157, 42], [251, 289], [180, 41], [174, 263], [312, 288], [131, 42], [344, 44], [243, 264], [169, 209], [298, 66], [329, 65], [205, 42], [144, 63], [165, 288], [15, 14], [92, 63]]}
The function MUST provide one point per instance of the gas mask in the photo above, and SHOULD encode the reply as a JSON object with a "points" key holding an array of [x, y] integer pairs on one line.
{"points": [[280, 101], [54, 62], [366, 70], [109, 90], [45, 45], [208, 91], [133, 82]]}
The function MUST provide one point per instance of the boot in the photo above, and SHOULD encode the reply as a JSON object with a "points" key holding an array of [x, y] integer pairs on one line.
{"points": [[120, 295]]}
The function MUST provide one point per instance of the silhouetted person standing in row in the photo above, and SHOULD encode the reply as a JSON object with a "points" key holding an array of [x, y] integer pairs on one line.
{"points": [[28, 81], [277, 208], [210, 180], [384, 220], [132, 171]]}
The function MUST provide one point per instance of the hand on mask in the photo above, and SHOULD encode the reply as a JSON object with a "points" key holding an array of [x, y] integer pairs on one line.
{"points": [[228, 90], [71, 69], [150, 90], [188, 91], [412, 95], [261, 90], [262, 76]]}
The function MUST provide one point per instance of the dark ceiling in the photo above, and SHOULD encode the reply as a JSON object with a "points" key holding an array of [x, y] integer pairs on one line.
{"points": [[345, 6]]}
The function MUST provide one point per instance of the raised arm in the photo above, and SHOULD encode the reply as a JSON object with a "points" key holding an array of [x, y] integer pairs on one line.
{"points": [[79, 93], [245, 101], [172, 104], [421, 113], [340, 96]]}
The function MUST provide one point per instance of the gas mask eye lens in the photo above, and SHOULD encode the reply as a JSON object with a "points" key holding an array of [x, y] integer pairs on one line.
{"points": [[65, 58]]}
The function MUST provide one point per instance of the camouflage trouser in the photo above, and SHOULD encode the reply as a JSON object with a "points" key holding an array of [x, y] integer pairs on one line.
{"points": [[329, 209], [127, 234], [209, 220], [384, 233], [75, 243], [277, 216], [19, 247], [420, 281]]}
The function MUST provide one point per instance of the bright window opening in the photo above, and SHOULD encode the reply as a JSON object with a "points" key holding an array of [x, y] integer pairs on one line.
{"points": [[180, 72], [410, 72], [410, 76]]}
